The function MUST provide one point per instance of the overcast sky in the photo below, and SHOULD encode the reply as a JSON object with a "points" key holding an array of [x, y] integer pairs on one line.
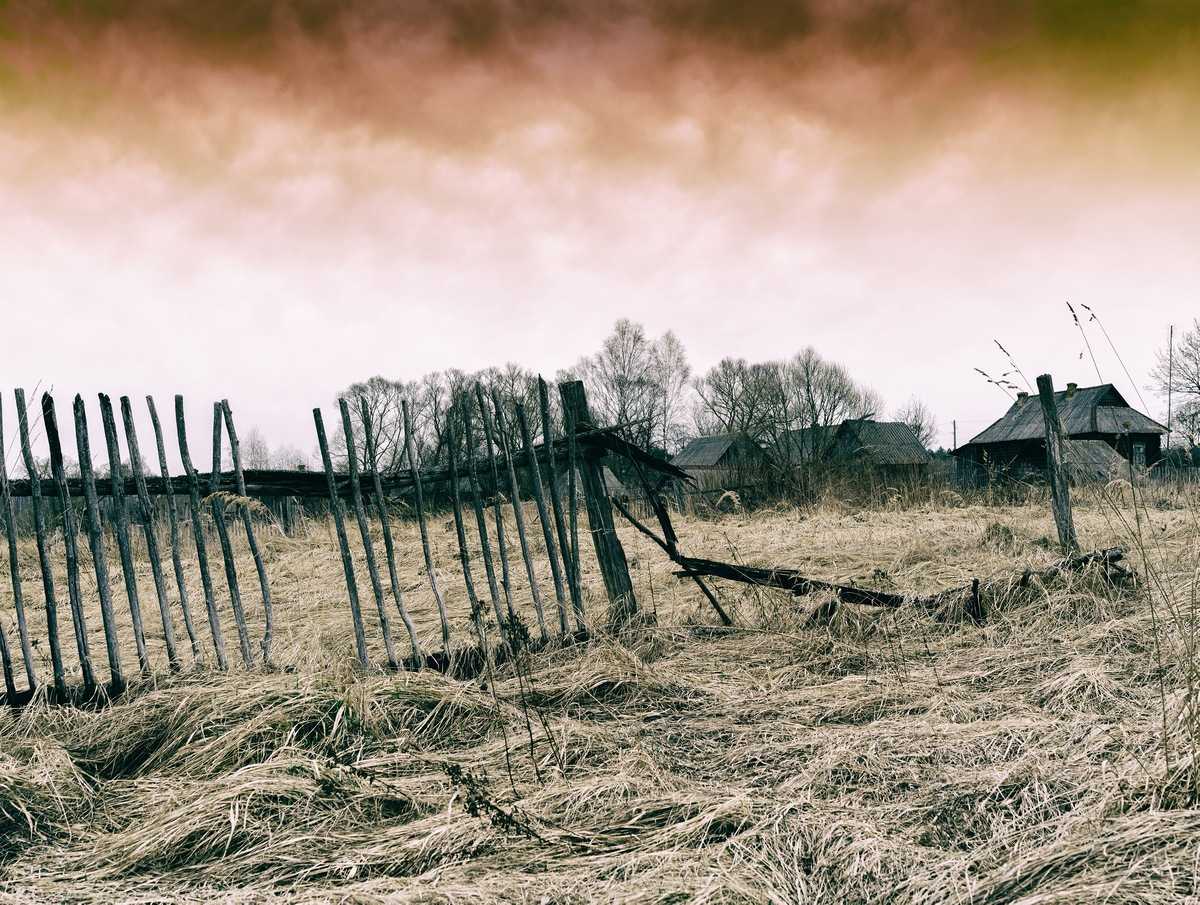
{"points": [[267, 201]]}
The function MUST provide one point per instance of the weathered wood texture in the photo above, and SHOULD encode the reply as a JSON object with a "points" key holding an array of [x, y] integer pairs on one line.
{"points": [[14, 564], [464, 554], [430, 570], [480, 519], [1056, 471], [489, 436], [539, 496], [560, 524], [217, 506]]}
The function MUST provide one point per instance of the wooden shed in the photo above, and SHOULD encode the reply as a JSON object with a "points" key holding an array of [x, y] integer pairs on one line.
{"points": [[722, 459], [889, 448]]}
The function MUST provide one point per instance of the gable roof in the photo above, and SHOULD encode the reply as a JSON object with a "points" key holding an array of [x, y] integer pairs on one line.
{"points": [[882, 442], [707, 452], [1090, 410]]}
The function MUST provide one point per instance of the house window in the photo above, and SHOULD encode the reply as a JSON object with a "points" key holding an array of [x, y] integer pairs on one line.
{"points": [[1139, 454]]}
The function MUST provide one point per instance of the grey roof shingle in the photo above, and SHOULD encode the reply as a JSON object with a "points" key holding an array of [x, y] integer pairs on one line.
{"points": [[705, 452], [883, 442], [1090, 410]]}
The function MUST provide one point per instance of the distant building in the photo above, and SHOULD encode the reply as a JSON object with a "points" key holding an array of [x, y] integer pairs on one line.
{"points": [[889, 448], [1091, 417], [721, 459]]}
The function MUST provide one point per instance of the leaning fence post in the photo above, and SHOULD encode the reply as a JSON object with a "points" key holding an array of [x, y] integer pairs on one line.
{"points": [[39, 527], [95, 526], [210, 601], [147, 510], [248, 523], [121, 524], [539, 496], [14, 564], [497, 510], [609, 553], [1060, 491], [173, 521], [10, 686], [389, 548], [419, 496], [463, 554], [70, 540], [364, 529], [335, 507], [480, 520], [514, 492], [564, 541], [218, 514]]}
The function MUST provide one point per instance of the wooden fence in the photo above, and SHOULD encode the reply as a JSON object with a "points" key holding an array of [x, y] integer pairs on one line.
{"points": [[133, 499]]}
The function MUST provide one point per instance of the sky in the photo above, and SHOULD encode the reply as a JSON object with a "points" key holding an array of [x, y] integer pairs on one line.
{"points": [[268, 200]]}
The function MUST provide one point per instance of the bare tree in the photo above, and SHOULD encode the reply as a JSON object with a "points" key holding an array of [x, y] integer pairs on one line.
{"points": [[917, 415], [254, 450], [1182, 375]]}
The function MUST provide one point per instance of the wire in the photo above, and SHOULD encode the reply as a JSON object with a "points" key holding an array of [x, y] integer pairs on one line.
{"points": [[1100, 324], [1075, 318]]}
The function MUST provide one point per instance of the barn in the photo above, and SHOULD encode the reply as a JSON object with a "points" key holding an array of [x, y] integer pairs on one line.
{"points": [[1015, 445]]}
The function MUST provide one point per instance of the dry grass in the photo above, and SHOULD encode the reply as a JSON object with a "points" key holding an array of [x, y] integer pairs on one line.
{"points": [[1044, 756]]}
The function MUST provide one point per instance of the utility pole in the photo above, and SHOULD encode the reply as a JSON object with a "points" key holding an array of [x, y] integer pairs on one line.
{"points": [[1170, 377], [955, 424]]}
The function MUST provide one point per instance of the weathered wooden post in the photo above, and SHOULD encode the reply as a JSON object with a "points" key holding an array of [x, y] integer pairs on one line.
{"points": [[173, 521], [39, 527], [121, 525], [339, 524], [480, 520], [217, 506], [260, 566], [464, 554], [560, 525], [147, 510], [70, 540], [614, 567], [419, 497], [539, 496], [14, 564], [95, 526], [514, 492], [381, 510], [497, 508], [1060, 490], [10, 686], [364, 529], [210, 600]]}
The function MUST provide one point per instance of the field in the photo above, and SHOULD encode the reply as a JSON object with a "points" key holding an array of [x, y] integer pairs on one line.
{"points": [[1045, 755]]}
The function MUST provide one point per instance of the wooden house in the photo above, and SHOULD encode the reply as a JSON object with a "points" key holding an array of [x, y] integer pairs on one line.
{"points": [[1015, 445], [722, 460], [890, 449]]}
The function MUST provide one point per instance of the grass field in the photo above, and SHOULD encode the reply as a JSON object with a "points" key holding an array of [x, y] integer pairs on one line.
{"points": [[1046, 755]]}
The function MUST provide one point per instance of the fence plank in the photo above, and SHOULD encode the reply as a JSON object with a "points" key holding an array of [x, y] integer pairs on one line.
{"points": [[146, 506], [381, 510], [173, 522], [121, 526], [39, 527], [217, 506], [463, 553], [210, 601], [1060, 488], [497, 510], [260, 566], [14, 564], [70, 535], [539, 496], [573, 501], [480, 519], [564, 544], [95, 527], [335, 507], [518, 515], [611, 555], [414, 468], [364, 529]]}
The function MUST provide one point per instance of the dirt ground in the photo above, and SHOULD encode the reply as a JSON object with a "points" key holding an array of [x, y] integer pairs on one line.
{"points": [[1044, 755]]}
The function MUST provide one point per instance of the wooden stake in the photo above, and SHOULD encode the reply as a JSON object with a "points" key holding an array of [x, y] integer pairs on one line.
{"points": [[611, 555], [1060, 490], [147, 509], [573, 501], [463, 554], [497, 510], [419, 494], [564, 541], [95, 527], [260, 566], [210, 601], [39, 527], [218, 514], [14, 565], [121, 526], [10, 686], [70, 536], [480, 520], [539, 496], [519, 516], [381, 510], [364, 529], [173, 521], [339, 523]]}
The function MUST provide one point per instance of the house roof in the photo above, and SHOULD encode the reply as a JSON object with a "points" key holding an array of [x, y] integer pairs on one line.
{"points": [[882, 442], [1089, 410], [1094, 460], [707, 452]]}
